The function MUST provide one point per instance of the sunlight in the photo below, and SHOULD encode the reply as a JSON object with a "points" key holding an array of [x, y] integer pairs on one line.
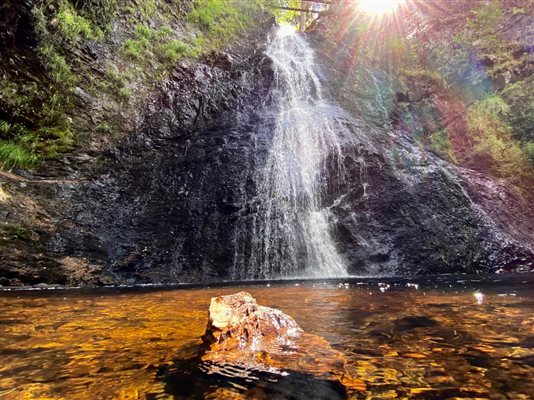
{"points": [[377, 7], [286, 30]]}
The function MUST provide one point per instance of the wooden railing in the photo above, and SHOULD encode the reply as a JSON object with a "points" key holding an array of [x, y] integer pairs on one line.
{"points": [[305, 9]]}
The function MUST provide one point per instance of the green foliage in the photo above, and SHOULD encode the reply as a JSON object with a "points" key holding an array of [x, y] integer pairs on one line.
{"points": [[440, 143], [493, 105], [148, 8], [172, 51], [19, 233], [486, 121], [75, 27], [520, 97], [100, 12], [8, 129], [208, 13], [528, 151], [37, 109], [55, 140], [124, 93], [57, 66], [221, 19], [13, 155], [148, 43], [15, 99], [289, 16], [486, 16]]}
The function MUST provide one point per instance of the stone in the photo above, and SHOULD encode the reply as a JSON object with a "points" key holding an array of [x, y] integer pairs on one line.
{"points": [[237, 322], [248, 336]]}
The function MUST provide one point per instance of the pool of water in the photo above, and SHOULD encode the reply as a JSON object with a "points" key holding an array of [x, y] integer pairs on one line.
{"points": [[427, 338]]}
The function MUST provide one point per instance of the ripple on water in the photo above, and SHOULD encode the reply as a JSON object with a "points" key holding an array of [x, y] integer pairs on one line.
{"points": [[398, 343]]}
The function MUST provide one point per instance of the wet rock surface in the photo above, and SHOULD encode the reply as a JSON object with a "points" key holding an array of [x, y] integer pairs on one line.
{"points": [[237, 322], [175, 201], [261, 351]]}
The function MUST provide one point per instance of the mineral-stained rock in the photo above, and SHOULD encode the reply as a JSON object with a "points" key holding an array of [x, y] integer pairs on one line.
{"points": [[248, 336], [237, 322]]}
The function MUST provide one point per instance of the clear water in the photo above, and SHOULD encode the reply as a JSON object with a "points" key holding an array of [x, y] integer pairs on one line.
{"points": [[444, 337], [292, 229]]}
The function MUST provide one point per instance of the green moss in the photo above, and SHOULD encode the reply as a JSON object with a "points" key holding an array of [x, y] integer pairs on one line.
{"points": [[19, 233]]}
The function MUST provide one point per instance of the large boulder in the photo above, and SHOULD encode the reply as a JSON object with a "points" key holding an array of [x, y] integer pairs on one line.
{"points": [[248, 336], [237, 322]]}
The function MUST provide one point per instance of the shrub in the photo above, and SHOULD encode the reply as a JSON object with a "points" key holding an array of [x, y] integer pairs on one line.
{"points": [[487, 125]]}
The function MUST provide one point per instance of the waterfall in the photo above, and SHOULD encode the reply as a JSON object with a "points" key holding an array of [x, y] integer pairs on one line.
{"points": [[292, 233]]}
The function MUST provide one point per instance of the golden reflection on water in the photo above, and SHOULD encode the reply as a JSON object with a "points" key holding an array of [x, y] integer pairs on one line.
{"points": [[400, 342]]}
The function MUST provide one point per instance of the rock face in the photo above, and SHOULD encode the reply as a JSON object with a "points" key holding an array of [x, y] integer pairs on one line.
{"points": [[175, 201]]}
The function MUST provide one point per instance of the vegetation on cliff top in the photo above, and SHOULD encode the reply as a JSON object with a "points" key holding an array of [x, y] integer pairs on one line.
{"points": [[94, 54], [459, 78]]}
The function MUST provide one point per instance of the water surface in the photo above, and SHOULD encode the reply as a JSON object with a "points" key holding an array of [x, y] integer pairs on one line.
{"points": [[426, 338]]}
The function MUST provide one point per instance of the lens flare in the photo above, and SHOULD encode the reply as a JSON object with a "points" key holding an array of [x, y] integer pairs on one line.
{"points": [[378, 7]]}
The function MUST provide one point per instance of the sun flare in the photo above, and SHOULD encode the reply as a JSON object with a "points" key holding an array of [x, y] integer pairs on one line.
{"points": [[378, 7]]}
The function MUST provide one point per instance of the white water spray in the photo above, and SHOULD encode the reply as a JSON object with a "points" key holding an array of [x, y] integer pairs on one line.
{"points": [[292, 232]]}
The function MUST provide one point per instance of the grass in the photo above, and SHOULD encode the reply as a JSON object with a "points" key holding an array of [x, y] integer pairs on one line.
{"points": [[13, 155], [57, 66], [75, 27], [147, 44], [172, 51], [221, 19]]}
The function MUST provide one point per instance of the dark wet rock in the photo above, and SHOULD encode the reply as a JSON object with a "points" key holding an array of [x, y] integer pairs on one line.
{"points": [[413, 322], [175, 200]]}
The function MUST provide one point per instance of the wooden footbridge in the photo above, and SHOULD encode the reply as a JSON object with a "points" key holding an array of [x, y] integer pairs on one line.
{"points": [[306, 8]]}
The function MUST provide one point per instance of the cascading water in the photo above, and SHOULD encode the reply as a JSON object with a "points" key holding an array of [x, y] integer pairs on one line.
{"points": [[304, 167]]}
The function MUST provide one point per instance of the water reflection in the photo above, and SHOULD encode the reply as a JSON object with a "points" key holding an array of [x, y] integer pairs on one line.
{"points": [[425, 341]]}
